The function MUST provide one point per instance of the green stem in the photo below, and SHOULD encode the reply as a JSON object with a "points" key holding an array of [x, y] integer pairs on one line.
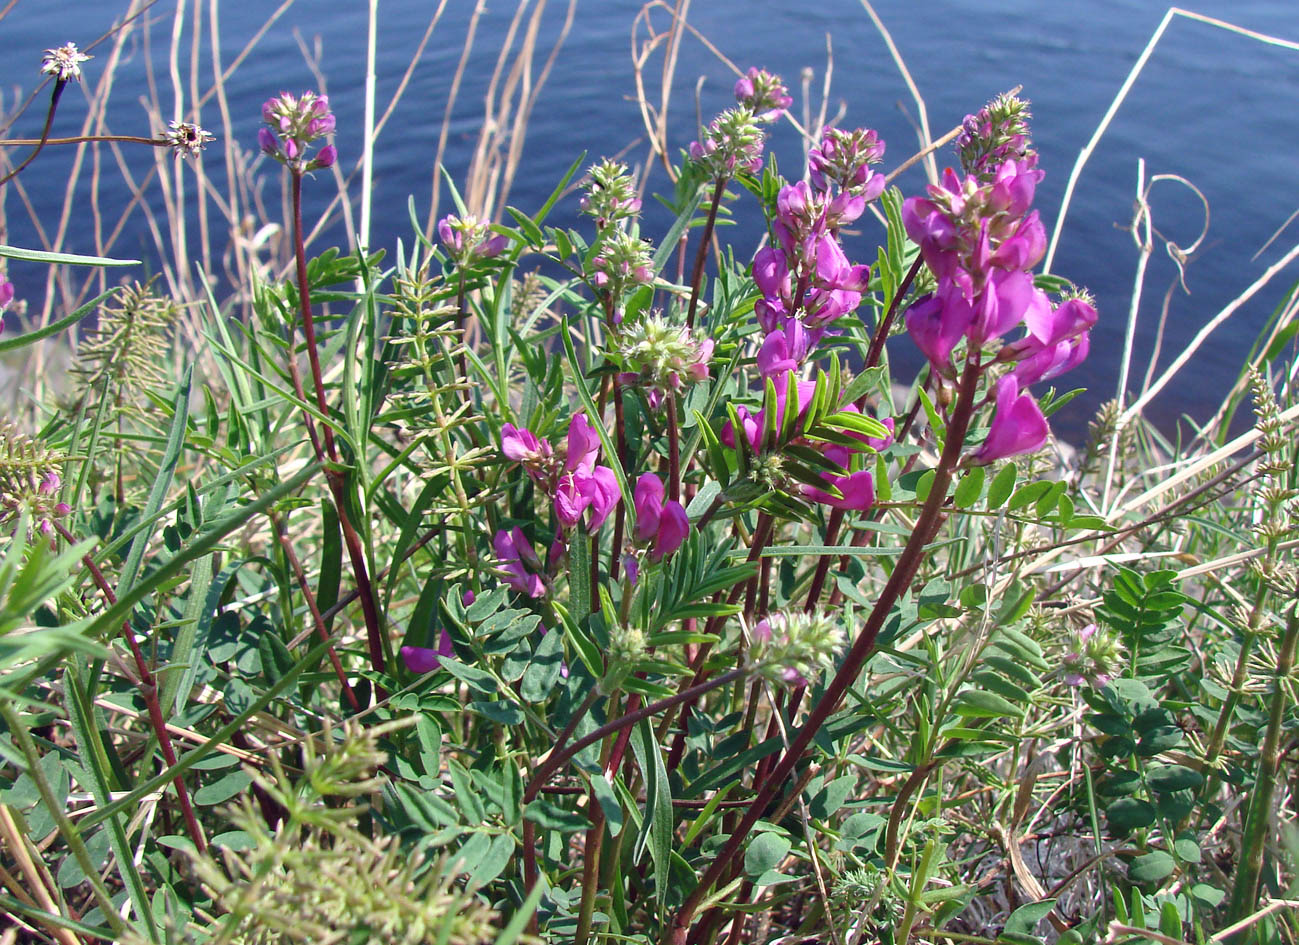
{"points": [[1244, 893], [18, 730]]}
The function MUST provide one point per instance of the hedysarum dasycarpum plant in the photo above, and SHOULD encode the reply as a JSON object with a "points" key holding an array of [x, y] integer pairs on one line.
{"points": [[684, 615]]}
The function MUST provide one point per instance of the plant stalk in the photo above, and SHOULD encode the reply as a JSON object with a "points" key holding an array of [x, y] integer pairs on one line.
{"points": [[908, 563]]}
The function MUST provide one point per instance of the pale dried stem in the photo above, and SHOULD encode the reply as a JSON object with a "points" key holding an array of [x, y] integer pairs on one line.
{"points": [[1122, 95]]}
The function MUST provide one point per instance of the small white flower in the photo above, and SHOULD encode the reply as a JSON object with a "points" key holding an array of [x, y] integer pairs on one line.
{"points": [[64, 63], [187, 139]]}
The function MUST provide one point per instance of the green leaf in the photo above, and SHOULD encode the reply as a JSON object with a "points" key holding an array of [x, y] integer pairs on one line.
{"points": [[1129, 813], [1160, 739], [502, 712], [550, 816], [1152, 867], [609, 803], [832, 797], [1028, 494], [1025, 919], [765, 852], [976, 703], [12, 344], [996, 683], [493, 863], [530, 229], [969, 488], [658, 824], [543, 671], [519, 921], [1003, 484], [471, 676], [1210, 896], [1173, 778], [222, 790], [72, 259]]}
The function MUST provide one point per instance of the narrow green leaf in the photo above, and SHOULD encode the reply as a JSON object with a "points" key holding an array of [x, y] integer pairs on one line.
{"points": [[72, 259], [21, 341]]}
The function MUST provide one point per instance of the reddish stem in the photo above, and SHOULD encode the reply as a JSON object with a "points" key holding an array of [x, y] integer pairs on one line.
{"points": [[149, 690], [333, 475], [701, 255], [907, 565]]}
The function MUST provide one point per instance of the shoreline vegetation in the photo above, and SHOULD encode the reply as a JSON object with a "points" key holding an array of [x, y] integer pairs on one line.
{"points": [[524, 583]]}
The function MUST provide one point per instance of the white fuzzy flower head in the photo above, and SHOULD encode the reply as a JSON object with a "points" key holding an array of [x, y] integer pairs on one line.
{"points": [[187, 139], [64, 63]]}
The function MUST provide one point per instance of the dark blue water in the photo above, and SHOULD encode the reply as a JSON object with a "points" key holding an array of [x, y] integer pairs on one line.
{"points": [[1216, 108]]}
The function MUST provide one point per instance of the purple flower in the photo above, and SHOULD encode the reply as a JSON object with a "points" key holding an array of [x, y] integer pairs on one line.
{"points": [[578, 491], [647, 499], [936, 327], [1017, 425], [292, 123], [468, 240], [1008, 298], [424, 659], [663, 522], [6, 295], [771, 273], [523, 446], [844, 158], [764, 94], [632, 567], [856, 491], [773, 356], [673, 530], [1070, 319], [519, 562], [1051, 362], [1057, 340], [327, 156], [583, 445], [603, 488]]}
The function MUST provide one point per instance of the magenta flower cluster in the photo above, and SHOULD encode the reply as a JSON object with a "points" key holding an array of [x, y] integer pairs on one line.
{"points": [[807, 283], [466, 239], [763, 94], [806, 280], [733, 141], [293, 122], [980, 238], [581, 491], [658, 520]]}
